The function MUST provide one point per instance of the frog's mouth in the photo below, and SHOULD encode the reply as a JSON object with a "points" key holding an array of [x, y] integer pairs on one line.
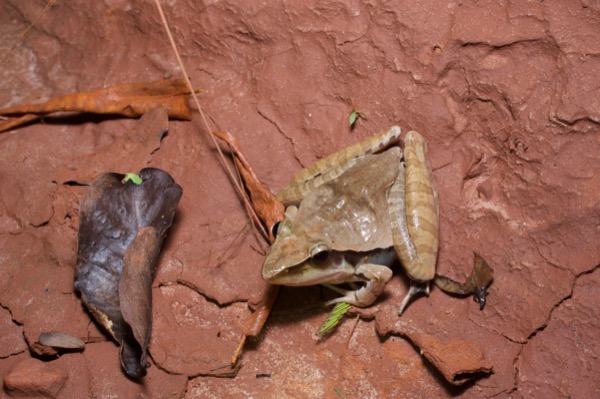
{"points": [[335, 269]]}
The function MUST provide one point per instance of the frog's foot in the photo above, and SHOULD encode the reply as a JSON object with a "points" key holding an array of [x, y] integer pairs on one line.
{"points": [[377, 276], [415, 289], [476, 284]]}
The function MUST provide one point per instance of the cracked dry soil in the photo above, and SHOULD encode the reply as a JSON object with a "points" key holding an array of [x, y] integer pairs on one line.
{"points": [[506, 95]]}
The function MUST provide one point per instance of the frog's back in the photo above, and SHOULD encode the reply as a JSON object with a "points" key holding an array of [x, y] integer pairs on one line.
{"points": [[350, 213]]}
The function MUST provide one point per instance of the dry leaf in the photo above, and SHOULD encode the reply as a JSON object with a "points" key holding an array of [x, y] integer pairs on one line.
{"points": [[128, 100], [459, 361], [121, 229], [270, 212], [476, 284], [60, 340]]}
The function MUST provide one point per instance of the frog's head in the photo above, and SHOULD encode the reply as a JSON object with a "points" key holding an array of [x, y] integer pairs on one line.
{"points": [[297, 259]]}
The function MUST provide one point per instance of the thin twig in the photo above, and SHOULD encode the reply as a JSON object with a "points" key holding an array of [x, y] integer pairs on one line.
{"points": [[231, 175], [352, 331], [22, 35]]}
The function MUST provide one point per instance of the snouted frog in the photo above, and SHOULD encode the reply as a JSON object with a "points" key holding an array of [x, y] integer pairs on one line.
{"points": [[352, 214]]}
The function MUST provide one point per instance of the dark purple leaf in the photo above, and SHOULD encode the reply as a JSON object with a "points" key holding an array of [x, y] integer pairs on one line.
{"points": [[121, 229]]}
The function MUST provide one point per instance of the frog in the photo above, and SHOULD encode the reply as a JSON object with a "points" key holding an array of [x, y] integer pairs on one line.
{"points": [[350, 216]]}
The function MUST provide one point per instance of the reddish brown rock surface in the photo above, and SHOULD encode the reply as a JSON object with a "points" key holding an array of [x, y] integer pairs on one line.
{"points": [[32, 377], [505, 95]]}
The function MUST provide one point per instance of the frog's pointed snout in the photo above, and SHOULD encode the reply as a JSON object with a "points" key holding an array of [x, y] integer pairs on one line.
{"points": [[270, 269]]}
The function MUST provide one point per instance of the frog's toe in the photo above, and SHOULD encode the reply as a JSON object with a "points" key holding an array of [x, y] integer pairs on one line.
{"points": [[339, 300], [360, 297], [414, 290], [479, 296], [337, 289], [350, 299]]}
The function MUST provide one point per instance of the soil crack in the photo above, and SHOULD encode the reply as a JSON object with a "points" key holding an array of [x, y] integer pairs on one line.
{"points": [[542, 327]]}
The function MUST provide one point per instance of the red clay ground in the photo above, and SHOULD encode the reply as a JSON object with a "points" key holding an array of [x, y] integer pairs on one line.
{"points": [[506, 95]]}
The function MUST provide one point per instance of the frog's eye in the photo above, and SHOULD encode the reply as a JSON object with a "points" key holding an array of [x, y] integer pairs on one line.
{"points": [[282, 228], [320, 254], [275, 229]]}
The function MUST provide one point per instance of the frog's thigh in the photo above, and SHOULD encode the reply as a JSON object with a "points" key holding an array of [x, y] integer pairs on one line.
{"points": [[397, 209], [421, 213]]}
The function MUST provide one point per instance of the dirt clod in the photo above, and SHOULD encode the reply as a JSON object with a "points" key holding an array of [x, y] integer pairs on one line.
{"points": [[32, 377]]}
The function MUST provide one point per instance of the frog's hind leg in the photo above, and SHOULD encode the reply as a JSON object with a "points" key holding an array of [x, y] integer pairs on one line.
{"points": [[413, 208]]}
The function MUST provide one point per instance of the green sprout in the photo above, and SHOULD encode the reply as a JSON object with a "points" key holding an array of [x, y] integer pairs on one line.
{"points": [[334, 318], [354, 115], [136, 179], [339, 392]]}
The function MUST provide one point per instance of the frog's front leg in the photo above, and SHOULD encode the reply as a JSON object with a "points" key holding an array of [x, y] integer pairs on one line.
{"points": [[377, 276], [413, 207]]}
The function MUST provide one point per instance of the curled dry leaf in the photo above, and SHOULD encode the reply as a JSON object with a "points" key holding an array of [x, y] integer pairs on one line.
{"points": [[269, 211], [60, 340], [128, 100], [121, 229], [476, 284]]}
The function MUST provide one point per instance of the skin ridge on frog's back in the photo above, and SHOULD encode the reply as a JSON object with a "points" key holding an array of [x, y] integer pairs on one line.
{"points": [[334, 165]]}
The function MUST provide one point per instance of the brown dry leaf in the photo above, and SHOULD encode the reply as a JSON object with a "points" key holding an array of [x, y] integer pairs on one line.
{"points": [[270, 212], [121, 229], [457, 352], [11, 123], [476, 284], [135, 294], [128, 100], [255, 322], [60, 340]]}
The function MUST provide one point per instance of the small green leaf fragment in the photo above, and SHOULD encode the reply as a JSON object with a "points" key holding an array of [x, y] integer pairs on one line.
{"points": [[136, 179], [353, 117], [334, 318], [339, 392]]}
